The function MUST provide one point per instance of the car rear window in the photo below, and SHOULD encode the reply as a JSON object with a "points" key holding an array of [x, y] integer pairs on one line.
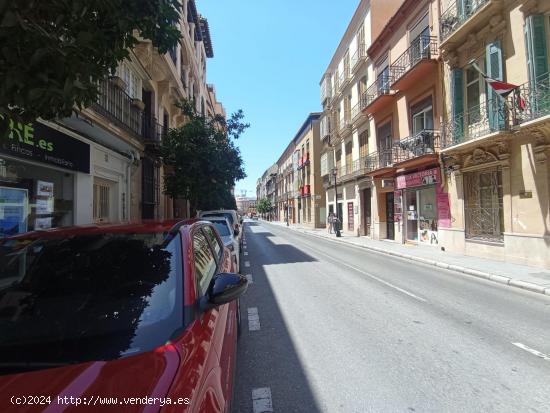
{"points": [[227, 215], [222, 228], [90, 297]]}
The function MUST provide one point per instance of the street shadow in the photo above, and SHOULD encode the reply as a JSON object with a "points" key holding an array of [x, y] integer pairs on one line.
{"points": [[268, 358], [273, 253]]}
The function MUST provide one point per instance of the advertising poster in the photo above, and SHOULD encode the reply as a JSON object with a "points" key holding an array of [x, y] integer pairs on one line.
{"points": [[44, 188], [44, 206], [13, 211], [43, 223], [443, 210]]}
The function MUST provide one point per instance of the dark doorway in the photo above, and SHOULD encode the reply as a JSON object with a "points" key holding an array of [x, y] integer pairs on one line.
{"points": [[389, 216], [340, 215], [367, 215]]}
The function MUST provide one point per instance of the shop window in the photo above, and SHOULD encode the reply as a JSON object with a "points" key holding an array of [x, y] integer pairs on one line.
{"points": [[483, 205], [33, 197]]}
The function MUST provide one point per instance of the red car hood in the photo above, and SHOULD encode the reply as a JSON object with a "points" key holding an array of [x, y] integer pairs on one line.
{"points": [[146, 375]]}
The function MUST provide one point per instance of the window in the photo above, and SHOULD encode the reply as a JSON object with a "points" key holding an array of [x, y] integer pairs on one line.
{"points": [[363, 144], [101, 201], [205, 263], [422, 116], [473, 95], [483, 205], [121, 293], [209, 231]]}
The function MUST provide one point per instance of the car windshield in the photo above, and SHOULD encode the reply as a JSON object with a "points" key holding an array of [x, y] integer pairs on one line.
{"points": [[227, 215], [222, 228], [87, 297]]}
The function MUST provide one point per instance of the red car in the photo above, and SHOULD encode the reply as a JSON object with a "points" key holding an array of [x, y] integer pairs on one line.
{"points": [[134, 318]]}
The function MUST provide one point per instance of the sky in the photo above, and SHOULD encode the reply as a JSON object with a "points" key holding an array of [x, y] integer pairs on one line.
{"points": [[269, 57]]}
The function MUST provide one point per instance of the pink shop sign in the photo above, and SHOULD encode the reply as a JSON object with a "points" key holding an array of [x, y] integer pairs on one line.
{"points": [[443, 209], [427, 177]]}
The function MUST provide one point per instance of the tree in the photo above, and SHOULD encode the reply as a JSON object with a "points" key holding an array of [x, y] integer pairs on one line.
{"points": [[264, 206], [54, 53], [203, 158]]}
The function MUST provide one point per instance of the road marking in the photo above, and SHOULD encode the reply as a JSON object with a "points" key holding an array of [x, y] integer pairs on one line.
{"points": [[261, 400], [532, 351], [245, 253], [249, 278], [247, 264], [374, 277], [253, 319]]}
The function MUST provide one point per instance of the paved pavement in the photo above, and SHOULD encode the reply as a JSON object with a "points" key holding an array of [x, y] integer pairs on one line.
{"points": [[522, 276], [328, 327]]}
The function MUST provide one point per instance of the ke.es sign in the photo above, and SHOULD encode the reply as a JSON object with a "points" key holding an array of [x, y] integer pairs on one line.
{"points": [[38, 142]]}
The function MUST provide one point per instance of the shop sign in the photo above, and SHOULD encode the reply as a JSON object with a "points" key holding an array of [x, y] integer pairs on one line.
{"points": [[428, 177], [40, 143]]}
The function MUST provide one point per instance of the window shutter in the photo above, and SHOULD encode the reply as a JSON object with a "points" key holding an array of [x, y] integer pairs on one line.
{"points": [[457, 122], [537, 52], [496, 107]]}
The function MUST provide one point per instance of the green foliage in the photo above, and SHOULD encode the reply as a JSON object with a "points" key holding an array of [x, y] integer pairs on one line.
{"points": [[264, 206], [53, 53], [205, 161]]}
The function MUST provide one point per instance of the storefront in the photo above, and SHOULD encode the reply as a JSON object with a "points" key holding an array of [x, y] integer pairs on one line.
{"points": [[422, 206], [39, 169]]}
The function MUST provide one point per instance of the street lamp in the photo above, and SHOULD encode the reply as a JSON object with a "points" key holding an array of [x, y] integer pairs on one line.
{"points": [[337, 221]]}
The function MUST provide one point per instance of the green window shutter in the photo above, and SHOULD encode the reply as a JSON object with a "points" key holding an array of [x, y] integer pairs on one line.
{"points": [[457, 122], [496, 109], [537, 51]]}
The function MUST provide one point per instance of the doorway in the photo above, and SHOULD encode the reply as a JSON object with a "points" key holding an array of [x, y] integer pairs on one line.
{"points": [[390, 229], [367, 215]]}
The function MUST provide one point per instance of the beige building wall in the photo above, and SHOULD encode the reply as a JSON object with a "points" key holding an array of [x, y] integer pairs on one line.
{"points": [[519, 151]]}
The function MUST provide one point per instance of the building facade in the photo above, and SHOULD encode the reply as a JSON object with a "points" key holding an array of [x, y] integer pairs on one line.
{"points": [[310, 197], [495, 149], [286, 188], [104, 164], [345, 128]]}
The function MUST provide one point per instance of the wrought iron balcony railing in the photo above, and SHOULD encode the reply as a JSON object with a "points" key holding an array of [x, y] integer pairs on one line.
{"points": [[488, 117], [421, 48], [457, 14], [378, 160], [379, 88], [531, 100], [423, 143], [359, 55], [153, 132], [356, 111], [345, 121], [117, 105]]}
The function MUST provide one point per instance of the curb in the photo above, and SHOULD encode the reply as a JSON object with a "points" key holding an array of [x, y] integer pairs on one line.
{"points": [[501, 279]]}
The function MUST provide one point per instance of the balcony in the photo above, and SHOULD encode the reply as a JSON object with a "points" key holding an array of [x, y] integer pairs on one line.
{"points": [[359, 56], [489, 117], [153, 132], [356, 112], [345, 123], [345, 76], [116, 105], [532, 100], [454, 22], [417, 63], [379, 163], [378, 94], [417, 149]]}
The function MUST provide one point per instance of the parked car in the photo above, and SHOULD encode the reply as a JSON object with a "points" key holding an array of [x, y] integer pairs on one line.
{"points": [[119, 311], [228, 237], [230, 214]]}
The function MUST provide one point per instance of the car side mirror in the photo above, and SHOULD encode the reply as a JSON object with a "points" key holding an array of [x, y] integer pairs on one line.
{"points": [[224, 288]]}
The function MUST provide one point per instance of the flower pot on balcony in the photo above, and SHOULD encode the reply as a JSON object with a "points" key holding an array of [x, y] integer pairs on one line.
{"points": [[138, 104], [118, 82]]}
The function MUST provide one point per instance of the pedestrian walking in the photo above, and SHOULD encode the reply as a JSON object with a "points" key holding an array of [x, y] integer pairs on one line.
{"points": [[330, 222]]}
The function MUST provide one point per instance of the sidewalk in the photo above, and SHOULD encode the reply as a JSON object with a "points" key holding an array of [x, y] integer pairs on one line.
{"points": [[534, 279]]}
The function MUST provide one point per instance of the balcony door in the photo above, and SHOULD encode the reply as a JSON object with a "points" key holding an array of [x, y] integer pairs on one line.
{"points": [[383, 77], [419, 37], [384, 141]]}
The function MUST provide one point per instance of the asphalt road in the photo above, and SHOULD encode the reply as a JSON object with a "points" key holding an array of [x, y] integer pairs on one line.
{"points": [[346, 330]]}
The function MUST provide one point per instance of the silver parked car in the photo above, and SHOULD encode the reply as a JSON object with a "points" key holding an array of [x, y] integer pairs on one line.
{"points": [[228, 237]]}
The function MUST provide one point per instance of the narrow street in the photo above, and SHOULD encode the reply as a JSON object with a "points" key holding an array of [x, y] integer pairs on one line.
{"points": [[339, 329]]}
